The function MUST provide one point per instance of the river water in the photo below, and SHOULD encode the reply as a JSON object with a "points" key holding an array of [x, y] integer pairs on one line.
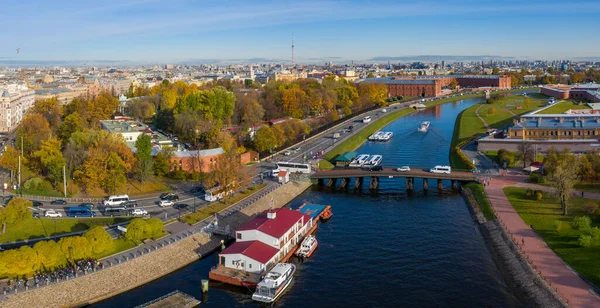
{"points": [[385, 250]]}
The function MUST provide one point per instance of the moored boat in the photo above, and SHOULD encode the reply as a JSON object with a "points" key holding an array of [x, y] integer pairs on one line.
{"points": [[308, 246], [424, 126], [359, 161], [274, 283]]}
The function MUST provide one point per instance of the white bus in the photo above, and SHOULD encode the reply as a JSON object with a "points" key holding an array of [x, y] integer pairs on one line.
{"points": [[116, 200], [367, 119], [294, 167], [441, 169]]}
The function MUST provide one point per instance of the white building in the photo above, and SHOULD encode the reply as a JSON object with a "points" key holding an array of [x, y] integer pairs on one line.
{"points": [[265, 240], [15, 100]]}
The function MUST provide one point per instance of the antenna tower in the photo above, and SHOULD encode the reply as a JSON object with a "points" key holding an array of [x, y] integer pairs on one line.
{"points": [[292, 48]]}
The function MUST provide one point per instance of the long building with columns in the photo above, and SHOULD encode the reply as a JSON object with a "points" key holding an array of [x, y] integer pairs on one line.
{"points": [[15, 100]]}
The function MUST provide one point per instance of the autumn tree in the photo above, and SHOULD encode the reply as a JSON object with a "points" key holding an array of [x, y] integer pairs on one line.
{"points": [[252, 113], [10, 159], [51, 110], [162, 161], [264, 139], [156, 227], [138, 230], [71, 124], [227, 173], [140, 109], [16, 210], [49, 254], [52, 160], [346, 95], [564, 178], [99, 240], [143, 154], [75, 248], [34, 129]]}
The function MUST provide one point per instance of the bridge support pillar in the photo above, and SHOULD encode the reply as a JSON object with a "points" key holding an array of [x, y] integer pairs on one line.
{"points": [[320, 182], [344, 184], [440, 187], [374, 183], [410, 183], [425, 185], [454, 184], [331, 183], [358, 183]]}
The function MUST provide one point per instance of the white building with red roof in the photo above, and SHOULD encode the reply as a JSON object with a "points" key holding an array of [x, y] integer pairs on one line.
{"points": [[265, 240]]}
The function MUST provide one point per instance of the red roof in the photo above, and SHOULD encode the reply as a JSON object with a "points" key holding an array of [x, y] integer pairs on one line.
{"points": [[256, 250], [283, 222]]}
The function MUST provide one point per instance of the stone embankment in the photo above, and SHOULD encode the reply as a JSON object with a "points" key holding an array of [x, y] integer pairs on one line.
{"points": [[109, 282]]}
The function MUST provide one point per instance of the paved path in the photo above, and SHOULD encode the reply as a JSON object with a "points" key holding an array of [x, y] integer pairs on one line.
{"points": [[568, 284], [480, 118]]}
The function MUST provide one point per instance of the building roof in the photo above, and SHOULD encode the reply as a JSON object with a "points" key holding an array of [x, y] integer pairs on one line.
{"points": [[346, 157], [256, 250], [566, 123], [283, 222], [390, 80], [116, 126], [282, 173], [201, 153]]}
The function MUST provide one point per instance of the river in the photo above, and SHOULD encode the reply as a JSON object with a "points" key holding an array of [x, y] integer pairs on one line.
{"points": [[379, 250]]}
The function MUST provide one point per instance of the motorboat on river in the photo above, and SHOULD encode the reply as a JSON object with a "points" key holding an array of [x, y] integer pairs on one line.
{"points": [[424, 126], [308, 246], [275, 283], [359, 161]]}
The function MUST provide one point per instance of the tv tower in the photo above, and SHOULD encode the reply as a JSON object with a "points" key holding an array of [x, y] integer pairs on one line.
{"points": [[292, 48]]}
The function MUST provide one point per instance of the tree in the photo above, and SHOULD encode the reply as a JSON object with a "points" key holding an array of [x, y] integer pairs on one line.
{"points": [[162, 161], [495, 71], [563, 180], [70, 125], [17, 210], [227, 173], [75, 248], [264, 139], [140, 109], [51, 110], [52, 159], [526, 153], [138, 230], [224, 140], [99, 240], [168, 99], [33, 129], [370, 75], [10, 159], [143, 144], [156, 226], [49, 255], [453, 84], [19, 262], [252, 114]]}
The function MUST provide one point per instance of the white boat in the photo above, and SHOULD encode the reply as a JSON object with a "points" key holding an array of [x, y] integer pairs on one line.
{"points": [[387, 136], [424, 126], [359, 161], [308, 246], [374, 161], [275, 283], [376, 136]]}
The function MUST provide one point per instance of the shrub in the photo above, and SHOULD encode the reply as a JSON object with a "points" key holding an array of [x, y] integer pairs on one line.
{"points": [[492, 110], [590, 207], [581, 223], [506, 156], [557, 224], [585, 240], [539, 195], [529, 192], [595, 233], [536, 178]]}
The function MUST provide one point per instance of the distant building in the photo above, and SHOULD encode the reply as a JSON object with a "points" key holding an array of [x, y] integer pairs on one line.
{"points": [[287, 76], [15, 100], [589, 92], [195, 160]]}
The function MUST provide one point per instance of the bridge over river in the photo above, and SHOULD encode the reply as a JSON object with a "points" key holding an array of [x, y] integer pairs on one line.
{"points": [[346, 174]]}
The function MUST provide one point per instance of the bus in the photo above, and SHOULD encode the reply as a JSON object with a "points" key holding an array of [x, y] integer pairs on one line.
{"points": [[80, 211], [294, 167], [116, 200], [115, 211]]}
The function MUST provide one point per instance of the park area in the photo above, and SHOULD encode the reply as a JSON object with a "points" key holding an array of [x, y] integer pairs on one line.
{"points": [[563, 106], [574, 237]]}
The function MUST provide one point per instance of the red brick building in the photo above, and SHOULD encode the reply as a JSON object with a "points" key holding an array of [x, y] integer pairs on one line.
{"points": [[424, 86], [195, 161], [589, 92]]}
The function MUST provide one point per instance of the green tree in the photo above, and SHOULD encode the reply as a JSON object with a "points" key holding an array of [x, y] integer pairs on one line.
{"points": [[265, 139], [75, 248], [138, 230], [52, 159], [99, 240], [49, 255], [563, 180], [143, 145], [10, 159], [495, 71], [161, 164], [156, 227], [370, 75], [17, 210], [70, 125]]}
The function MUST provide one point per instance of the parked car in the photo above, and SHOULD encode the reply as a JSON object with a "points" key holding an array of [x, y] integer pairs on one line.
{"points": [[58, 201], [52, 213], [287, 153], [36, 215], [181, 206], [88, 205], [376, 168], [404, 169], [164, 203], [383, 110], [37, 203], [138, 212]]}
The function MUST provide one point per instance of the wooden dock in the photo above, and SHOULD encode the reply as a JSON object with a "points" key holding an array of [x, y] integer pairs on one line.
{"points": [[174, 299], [234, 276]]}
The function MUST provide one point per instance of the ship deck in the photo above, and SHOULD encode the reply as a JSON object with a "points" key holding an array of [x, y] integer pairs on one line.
{"points": [[234, 276]]}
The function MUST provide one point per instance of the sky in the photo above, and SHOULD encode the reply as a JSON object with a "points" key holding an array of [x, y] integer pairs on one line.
{"points": [[187, 31]]}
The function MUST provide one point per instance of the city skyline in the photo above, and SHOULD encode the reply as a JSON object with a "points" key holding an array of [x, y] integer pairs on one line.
{"points": [[156, 31]]}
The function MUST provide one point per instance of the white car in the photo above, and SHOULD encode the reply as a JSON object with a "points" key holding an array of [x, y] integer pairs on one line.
{"points": [[51, 213], [404, 169], [384, 110], [139, 212], [164, 203]]}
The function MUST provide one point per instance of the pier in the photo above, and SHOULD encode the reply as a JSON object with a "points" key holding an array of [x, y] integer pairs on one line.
{"points": [[330, 177], [172, 300]]}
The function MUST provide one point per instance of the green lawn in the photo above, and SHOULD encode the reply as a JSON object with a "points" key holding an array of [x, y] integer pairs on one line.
{"points": [[359, 138], [42, 227], [547, 220], [484, 204], [562, 107], [587, 186], [119, 245], [325, 164], [216, 207]]}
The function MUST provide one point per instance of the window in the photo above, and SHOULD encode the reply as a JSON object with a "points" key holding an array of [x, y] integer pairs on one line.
{"points": [[249, 265], [232, 262], [239, 236], [222, 260]]}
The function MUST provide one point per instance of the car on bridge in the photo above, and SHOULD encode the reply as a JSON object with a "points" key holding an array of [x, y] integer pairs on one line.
{"points": [[164, 203], [37, 203], [376, 168], [403, 169], [58, 201], [180, 206], [138, 212]]}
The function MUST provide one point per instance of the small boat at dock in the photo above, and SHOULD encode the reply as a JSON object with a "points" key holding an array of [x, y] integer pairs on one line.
{"points": [[274, 283], [316, 211], [375, 160], [359, 161], [424, 126], [308, 246], [387, 136]]}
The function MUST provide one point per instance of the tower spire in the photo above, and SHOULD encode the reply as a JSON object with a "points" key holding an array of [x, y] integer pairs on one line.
{"points": [[292, 48]]}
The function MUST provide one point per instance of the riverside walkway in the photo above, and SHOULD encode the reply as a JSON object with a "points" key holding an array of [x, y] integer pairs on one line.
{"points": [[568, 284]]}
